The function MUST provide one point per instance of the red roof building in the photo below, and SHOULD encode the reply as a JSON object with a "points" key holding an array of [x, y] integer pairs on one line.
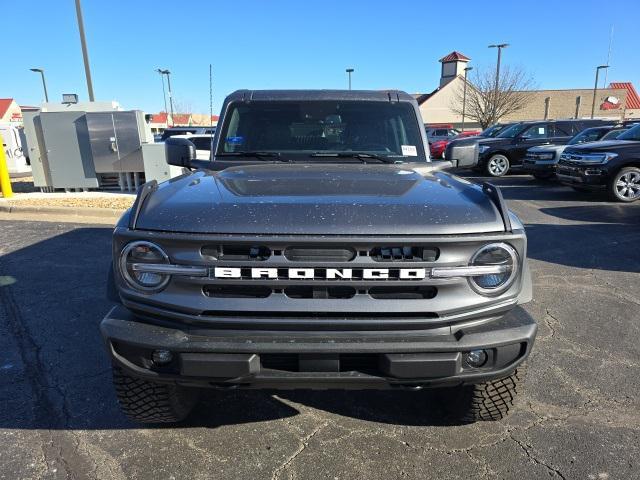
{"points": [[10, 111], [181, 119], [161, 117], [454, 57], [633, 100]]}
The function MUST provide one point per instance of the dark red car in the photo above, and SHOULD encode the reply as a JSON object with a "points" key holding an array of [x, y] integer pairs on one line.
{"points": [[437, 148]]}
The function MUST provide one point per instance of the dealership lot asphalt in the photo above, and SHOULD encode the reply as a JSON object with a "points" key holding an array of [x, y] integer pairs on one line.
{"points": [[579, 416]]}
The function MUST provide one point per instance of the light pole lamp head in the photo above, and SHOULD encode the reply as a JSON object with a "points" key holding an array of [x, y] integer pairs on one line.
{"points": [[163, 71], [349, 70], [37, 70], [467, 69], [499, 45], [601, 67]]}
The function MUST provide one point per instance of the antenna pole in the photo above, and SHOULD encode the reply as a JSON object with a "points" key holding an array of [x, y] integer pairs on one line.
{"points": [[606, 72], [210, 96], [211, 111]]}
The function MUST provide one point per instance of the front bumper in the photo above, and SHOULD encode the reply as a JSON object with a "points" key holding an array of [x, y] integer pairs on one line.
{"points": [[206, 357], [531, 166], [589, 176]]}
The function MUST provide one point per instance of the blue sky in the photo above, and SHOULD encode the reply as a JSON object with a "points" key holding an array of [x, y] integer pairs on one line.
{"points": [[299, 44]]}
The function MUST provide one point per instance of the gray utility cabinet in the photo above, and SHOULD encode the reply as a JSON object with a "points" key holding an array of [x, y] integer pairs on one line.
{"points": [[65, 150], [114, 141], [32, 132]]}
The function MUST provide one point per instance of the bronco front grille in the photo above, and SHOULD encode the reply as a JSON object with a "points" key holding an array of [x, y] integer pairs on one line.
{"points": [[330, 282]]}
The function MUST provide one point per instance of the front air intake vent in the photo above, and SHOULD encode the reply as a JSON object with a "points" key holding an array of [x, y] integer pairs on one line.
{"points": [[236, 252], [319, 254], [404, 254], [237, 291], [320, 292], [403, 293]]}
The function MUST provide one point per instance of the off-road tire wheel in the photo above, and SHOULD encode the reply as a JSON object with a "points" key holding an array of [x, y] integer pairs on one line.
{"points": [[149, 402], [497, 166], [625, 185], [487, 401], [542, 176]]}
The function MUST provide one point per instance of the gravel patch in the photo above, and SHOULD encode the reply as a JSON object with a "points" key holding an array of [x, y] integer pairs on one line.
{"points": [[117, 202]]}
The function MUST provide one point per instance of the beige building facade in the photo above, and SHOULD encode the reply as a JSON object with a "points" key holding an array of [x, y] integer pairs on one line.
{"points": [[619, 101]]}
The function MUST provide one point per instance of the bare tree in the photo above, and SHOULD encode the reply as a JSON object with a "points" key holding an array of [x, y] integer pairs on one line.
{"points": [[486, 104], [182, 106]]}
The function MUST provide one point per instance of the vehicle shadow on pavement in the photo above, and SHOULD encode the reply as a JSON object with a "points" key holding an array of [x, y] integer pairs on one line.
{"points": [[525, 187], [396, 407], [217, 408]]}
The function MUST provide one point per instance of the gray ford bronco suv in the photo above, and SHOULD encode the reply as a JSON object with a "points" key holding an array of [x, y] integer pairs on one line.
{"points": [[319, 248]]}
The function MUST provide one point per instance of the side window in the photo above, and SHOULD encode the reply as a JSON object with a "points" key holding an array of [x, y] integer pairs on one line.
{"points": [[566, 129], [536, 131], [441, 133]]}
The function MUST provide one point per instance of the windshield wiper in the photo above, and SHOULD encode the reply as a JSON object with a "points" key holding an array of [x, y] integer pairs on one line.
{"points": [[260, 155], [364, 156]]}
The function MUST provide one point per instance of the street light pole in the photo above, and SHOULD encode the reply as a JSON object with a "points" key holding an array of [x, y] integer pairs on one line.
{"points": [[595, 88], [168, 73], [44, 84], [164, 95], [499, 46], [85, 53], [349, 72], [170, 95], [464, 95]]}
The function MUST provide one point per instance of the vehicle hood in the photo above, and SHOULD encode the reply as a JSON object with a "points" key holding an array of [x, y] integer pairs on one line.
{"points": [[323, 199], [464, 142], [604, 146], [495, 141], [547, 149]]}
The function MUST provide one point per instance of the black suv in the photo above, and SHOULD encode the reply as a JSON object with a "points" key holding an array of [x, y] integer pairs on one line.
{"points": [[610, 165], [541, 161], [495, 129], [496, 156]]}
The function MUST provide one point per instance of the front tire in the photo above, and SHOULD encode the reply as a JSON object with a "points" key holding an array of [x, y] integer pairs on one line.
{"points": [[625, 185], [489, 401], [149, 402], [497, 166]]}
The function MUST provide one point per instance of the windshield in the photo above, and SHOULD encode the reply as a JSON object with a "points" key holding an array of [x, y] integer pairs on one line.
{"points": [[512, 131], [614, 134], [493, 130], [588, 135], [631, 134], [310, 129]]}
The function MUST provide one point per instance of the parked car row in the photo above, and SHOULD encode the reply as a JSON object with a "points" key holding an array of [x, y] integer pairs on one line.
{"points": [[173, 131], [541, 161], [585, 154], [610, 165]]}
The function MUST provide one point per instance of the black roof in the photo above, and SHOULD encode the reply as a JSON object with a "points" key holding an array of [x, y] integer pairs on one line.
{"points": [[284, 95]]}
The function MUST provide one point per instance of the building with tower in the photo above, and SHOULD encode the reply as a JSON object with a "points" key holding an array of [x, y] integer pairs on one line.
{"points": [[618, 101]]}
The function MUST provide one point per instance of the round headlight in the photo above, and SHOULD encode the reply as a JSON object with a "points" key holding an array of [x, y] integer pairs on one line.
{"points": [[136, 253], [495, 254]]}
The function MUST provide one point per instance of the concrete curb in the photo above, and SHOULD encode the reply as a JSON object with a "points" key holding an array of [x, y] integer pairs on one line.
{"points": [[64, 211]]}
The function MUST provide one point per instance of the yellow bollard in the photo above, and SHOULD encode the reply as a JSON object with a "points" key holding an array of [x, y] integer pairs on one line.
{"points": [[5, 181]]}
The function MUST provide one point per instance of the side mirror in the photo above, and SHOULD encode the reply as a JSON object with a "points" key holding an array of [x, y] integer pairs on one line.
{"points": [[180, 152]]}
